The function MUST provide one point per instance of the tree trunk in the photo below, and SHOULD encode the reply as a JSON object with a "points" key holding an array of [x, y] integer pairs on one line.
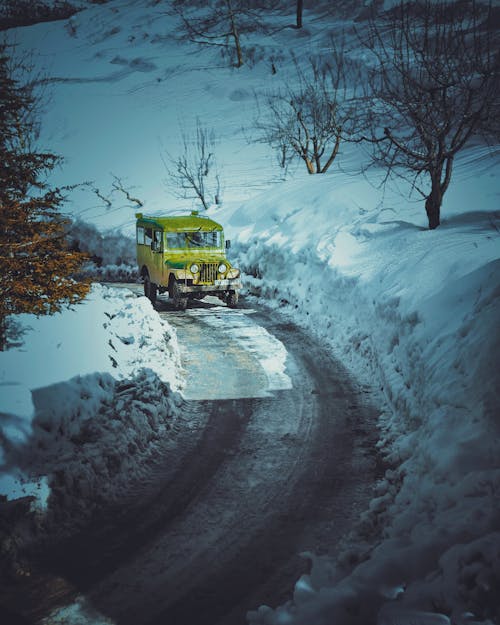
{"points": [[316, 156], [300, 4], [3, 333], [239, 53], [235, 35], [333, 155], [309, 165], [433, 206]]}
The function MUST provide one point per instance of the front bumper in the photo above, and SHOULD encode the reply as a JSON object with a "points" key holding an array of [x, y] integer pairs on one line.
{"points": [[217, 286]]}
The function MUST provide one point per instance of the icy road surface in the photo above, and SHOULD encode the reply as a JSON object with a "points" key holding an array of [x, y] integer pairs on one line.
{"points": [[274, 456], [227, 355]]}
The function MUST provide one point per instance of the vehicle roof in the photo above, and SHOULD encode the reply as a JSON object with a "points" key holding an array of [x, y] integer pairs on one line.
{"points": [[181, 222]]}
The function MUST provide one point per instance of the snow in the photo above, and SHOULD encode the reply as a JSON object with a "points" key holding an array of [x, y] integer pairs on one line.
{"points": [[269, 352], [76, 393], [77, 613], [412, 313], [416, 313]]}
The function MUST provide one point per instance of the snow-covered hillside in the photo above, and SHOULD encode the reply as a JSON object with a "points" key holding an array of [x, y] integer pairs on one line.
{"points": [[416, 314], [413, 313]]}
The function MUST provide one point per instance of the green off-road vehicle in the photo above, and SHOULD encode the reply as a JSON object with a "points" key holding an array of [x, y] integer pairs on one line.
{"points": [[186, 256]]}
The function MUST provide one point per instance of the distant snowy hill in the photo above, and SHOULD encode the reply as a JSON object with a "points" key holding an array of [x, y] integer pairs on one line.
{"points": [[413, 313]]}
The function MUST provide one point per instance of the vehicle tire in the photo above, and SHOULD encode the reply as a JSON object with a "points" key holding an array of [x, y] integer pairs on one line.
{"points": [[150, 289], [180, 302], [232, 299]]}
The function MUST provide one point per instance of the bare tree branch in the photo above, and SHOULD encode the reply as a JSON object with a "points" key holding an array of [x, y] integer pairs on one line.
{"points": [[193, 173], [118, 186], [104, 198]]}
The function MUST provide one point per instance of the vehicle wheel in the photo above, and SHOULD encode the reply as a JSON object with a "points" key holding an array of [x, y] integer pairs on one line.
{"points": [[180, 302], [232, 299], [150, 289]]}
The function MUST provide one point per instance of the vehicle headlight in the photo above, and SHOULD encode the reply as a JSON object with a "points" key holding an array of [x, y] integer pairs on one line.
{"points": [[233, 273], [194, 268], [222, 268]]}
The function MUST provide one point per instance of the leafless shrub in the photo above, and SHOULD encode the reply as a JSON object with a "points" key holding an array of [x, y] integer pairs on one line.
{"points": [[310, 120]]}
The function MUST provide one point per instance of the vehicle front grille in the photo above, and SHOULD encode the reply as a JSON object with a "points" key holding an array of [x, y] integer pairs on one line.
{"points": [[208, 272]]}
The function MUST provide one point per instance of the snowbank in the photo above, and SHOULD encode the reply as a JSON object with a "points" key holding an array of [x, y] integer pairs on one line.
{"points": [[417, 313], [86, 403]]}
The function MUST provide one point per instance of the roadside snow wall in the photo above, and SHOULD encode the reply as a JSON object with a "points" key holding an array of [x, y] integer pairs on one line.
{"points": [[417, 314], [87, 402]]}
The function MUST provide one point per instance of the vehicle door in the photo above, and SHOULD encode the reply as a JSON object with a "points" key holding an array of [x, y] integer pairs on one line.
{"points": [[157, 256]]}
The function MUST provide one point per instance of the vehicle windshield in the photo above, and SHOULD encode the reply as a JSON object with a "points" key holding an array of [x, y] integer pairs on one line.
{"points": [[198, 238]]}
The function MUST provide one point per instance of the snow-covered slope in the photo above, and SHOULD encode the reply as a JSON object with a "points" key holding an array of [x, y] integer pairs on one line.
{"points": [[414, 313]]}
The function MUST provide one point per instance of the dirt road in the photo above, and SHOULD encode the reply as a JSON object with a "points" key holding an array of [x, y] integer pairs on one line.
{"points": [[273, 456]]}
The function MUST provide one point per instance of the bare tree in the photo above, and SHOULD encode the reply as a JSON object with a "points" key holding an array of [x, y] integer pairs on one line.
{"points": [[309, 121], [218, 23], [194, 173], [435, 85]]}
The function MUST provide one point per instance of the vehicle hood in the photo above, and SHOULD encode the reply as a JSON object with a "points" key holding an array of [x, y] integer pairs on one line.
{"points": [[180, 261]]}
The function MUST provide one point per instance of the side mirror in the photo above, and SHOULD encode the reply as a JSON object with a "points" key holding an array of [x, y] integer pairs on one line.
{"points": [[228, 244]]}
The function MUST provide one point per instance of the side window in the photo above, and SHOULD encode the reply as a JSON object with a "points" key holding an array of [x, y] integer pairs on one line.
{"points": [[148, 236], [157, 240], [140, 235]]}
